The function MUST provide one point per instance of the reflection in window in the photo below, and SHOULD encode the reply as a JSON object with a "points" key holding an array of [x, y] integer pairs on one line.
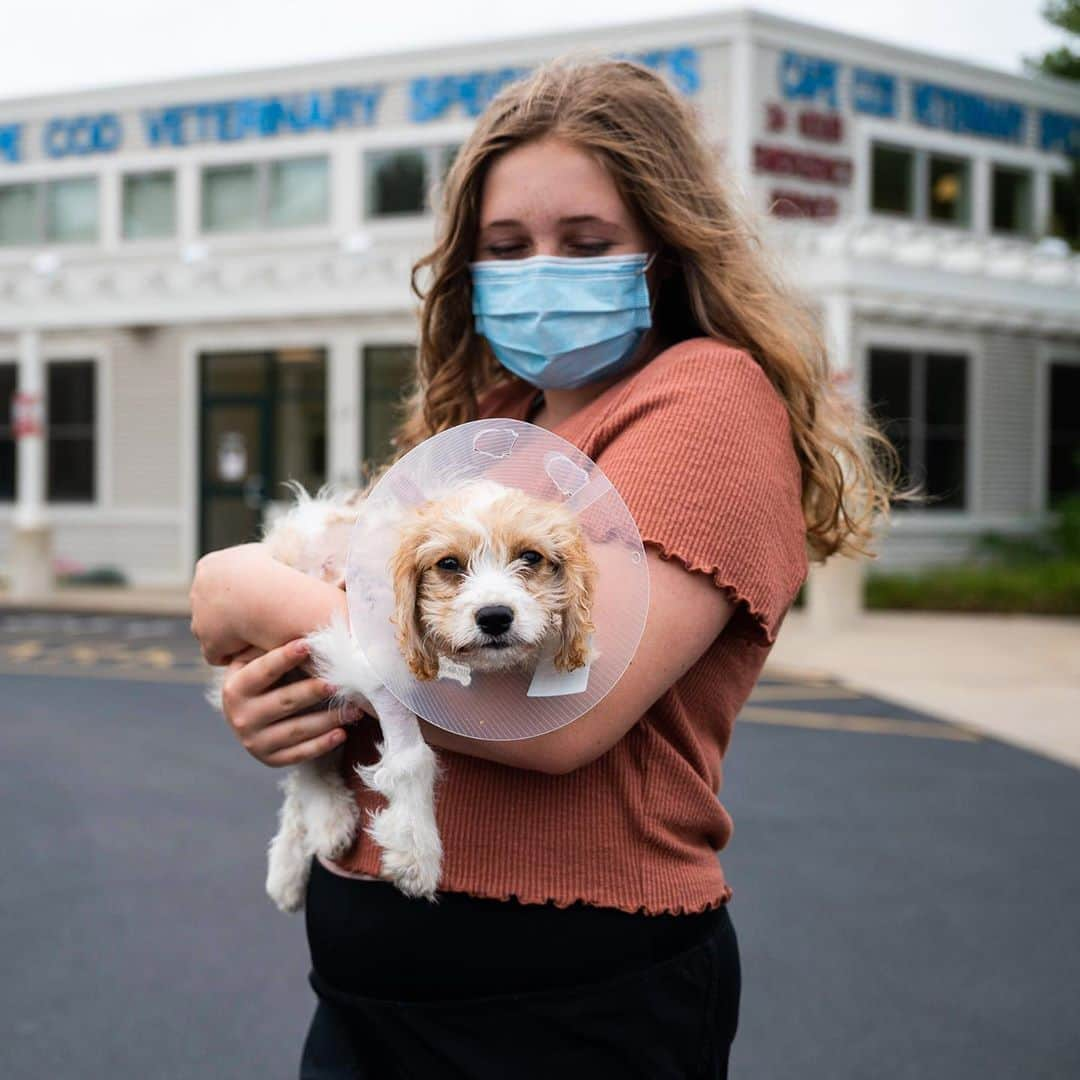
{"points": [[388, 375], [300, 417], [948, 198], [921, 400], [892, 185], [71, 210], [71, 437], [8, 374], [149, 205]]}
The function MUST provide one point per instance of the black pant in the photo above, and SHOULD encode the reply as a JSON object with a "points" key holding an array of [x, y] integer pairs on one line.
{"points": [[471, 988]]}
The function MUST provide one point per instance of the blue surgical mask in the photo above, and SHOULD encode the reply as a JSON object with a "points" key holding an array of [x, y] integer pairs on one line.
{"points": [[558, 322]]}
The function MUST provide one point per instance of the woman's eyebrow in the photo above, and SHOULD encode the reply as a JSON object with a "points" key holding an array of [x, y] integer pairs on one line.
{"points": [[575, 219]]}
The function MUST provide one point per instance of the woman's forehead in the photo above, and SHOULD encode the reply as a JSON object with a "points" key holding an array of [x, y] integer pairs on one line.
{"points": [[550, 183]]}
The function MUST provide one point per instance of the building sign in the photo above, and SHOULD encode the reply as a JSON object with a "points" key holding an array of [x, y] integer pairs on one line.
{"points": [[267, 116], [782, 161], [27, 415], [829, 85], [965, 113], [797, 204]]}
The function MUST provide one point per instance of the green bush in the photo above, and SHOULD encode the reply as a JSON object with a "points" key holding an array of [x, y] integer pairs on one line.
{"points": [[1037, 574]]}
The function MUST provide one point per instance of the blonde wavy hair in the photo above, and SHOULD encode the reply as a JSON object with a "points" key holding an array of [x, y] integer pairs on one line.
{"points": [[722, 283]]}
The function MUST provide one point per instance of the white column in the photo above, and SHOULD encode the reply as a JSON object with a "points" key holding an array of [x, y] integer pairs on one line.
{"points": [[343, 411], [743, 99], [32, 540], [834, 590]]}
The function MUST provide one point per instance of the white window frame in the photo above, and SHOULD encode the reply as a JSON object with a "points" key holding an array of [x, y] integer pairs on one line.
{"points": [[926, 339]]}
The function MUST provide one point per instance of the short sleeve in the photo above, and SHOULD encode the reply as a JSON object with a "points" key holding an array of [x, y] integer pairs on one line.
{"points": [[700, 449]]}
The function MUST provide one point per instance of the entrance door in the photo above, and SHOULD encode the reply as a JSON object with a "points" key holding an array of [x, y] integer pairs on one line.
{"points": [[1063, 432], [263, 422]]}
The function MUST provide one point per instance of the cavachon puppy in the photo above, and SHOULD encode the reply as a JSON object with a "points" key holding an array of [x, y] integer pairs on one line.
{"points": [[484, 578]]}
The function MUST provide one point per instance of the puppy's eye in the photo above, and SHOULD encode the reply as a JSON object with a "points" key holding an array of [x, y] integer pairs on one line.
{"points": [[531, 558], [449, 564]]}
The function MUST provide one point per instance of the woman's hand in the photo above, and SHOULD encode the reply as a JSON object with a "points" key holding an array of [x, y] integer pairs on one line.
{"points": [[267, 714]]}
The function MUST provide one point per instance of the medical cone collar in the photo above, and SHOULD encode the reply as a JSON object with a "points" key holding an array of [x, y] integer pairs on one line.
{"points": [[513, 704]]}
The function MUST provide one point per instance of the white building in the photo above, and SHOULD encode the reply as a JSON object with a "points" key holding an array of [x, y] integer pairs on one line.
{"points": [[204, 283]]}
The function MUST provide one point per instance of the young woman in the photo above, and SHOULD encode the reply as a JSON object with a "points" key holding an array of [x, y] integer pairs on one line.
{"points": [[583, 920]]}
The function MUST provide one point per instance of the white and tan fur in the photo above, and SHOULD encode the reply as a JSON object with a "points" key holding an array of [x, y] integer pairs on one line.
{"points": [[485, 577]]}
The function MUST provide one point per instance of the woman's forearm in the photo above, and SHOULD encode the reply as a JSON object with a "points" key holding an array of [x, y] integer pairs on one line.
{"points": [[241, 596]]}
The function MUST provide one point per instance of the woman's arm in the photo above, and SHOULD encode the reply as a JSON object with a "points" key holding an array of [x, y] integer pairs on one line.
{"points": [[242, 597], [686, 613]]}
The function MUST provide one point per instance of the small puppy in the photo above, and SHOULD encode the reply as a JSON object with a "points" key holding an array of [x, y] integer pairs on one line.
{"points": [[485, 578]]}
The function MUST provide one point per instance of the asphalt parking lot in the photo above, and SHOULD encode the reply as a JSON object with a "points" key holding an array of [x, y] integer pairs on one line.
{"points": [[905, 890]]}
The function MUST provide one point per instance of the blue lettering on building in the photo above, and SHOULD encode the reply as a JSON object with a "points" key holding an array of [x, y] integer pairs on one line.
{"points": [[1059, 132], [244, 118], [11, 142], [78, 136], [873, 93], [965, 113], [810, 78], [433, 97]]}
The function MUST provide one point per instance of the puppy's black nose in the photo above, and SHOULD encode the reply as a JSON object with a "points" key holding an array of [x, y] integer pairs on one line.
{"points": [[494, 620]]}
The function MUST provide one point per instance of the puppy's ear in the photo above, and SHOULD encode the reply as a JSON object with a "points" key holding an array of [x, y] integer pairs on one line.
{"points": [[579, 583], [422, 659]]}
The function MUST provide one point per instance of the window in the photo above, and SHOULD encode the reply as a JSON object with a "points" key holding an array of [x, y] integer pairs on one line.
{"points": [[917, 184], [398, 181], [1011, 200], [388, 373], [299, 192], [892, 184], [1064, 432], [7, 434], [71, 437], [54, 212], [269, 194], [20, 219], [949, 194], [71, 210], [1065, 207], [920, 399], [149, 210]]}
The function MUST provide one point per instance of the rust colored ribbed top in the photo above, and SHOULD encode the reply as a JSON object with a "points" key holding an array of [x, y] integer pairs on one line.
{"points": [[698, 443]]}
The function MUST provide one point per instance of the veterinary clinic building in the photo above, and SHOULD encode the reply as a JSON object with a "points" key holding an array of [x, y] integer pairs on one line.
{"points": [[204, 284]]}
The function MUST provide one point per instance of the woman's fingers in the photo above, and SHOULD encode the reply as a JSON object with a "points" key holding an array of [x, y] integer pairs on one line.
{"points": [[297, 738], [254, 676]]}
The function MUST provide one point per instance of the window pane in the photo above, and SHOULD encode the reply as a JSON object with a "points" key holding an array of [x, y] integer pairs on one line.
{"points": [[397, 182], [71, 210], [890, 399], [7, 440], [230, 198], [299, 192], [149, 206], [389, 371], [1011, 200], [945, 472], [300, 421], [949, 196], [71, 430], [18, 214], [892, 187], [449, 153], [235, 373], [946, 390], [1064, 434], [1065, 207]]}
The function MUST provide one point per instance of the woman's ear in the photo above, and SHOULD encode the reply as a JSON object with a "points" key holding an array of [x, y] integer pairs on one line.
{"points": [[579, 583], [422, 659]]}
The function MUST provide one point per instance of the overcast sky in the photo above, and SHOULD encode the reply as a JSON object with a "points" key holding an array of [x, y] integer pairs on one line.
{"points": [[52, 45]]}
